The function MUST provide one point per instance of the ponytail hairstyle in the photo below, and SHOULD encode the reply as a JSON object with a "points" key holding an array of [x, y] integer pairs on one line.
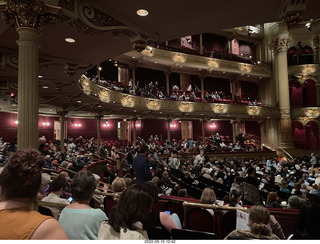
{"points": [[235, 193], [259, 218]]}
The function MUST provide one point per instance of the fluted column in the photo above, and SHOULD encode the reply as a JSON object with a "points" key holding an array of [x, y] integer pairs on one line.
{"points": [[62, 115], [29, 16], [28, 92], [98, 130], [169, 132], [134, 133], [280, 47]]}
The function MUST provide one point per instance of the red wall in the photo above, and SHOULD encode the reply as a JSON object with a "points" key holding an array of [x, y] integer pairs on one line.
{"points": [[8, 129], [252, 127]]}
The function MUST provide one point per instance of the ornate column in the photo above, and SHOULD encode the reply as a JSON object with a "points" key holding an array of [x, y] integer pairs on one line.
{"points": [[316, 44], [98, 117], [280, 47], [28, 17], [98, 72], [169, 134], [167, 82], [201, 44], [133, 79], [134, 133], [185, 81], [234, 131], [202, 86], [203, 124], [62, 115], [123, 74]]}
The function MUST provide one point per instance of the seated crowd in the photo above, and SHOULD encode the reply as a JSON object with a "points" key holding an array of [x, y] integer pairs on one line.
{"points": [[235, 182], [191, 94]]}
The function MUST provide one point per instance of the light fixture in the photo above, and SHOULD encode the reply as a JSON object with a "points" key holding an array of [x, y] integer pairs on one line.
{"points": [[259, 62], [45, 87], [99, 106], [142, 12], [133, 57], [155, 62], [79, 101], [100, 68], [77, 125], [16, 122], [308, 25], [40, 76], [70, 40]]}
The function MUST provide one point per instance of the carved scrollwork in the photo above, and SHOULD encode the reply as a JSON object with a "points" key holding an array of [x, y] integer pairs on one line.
{"points": [[32, 14], [254, 110], [313, 112], [104, 95], [213, 63], [153, 104], [245, 67], [219, 108], [93, 21], [281, 44], [185, 107], [85, 85], [127, 101]]}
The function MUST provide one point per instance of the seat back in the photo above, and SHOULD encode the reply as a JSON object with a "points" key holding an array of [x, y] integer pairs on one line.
{"points": [[108, 203], [251, 194], [228, 222], [199, 219], [185, 234], [175, 207], [156, 232]]}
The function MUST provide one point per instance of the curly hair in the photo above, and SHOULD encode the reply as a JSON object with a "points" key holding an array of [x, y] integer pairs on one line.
{"points": [[21, 177]]}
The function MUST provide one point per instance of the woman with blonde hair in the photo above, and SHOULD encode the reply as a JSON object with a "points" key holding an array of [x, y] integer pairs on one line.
{"points": [[208, 197], [262, 226]]}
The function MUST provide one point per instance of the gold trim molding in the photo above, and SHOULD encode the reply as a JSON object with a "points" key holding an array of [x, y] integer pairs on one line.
{"points": [[104, 95]]}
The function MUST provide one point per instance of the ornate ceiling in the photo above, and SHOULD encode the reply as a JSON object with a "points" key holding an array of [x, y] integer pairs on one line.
{"points": [[107, 29]]}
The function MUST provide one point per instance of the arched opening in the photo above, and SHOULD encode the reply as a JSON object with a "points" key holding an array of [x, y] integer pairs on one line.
{"points": [[309, 93], [312, 135], [296, 94], [299, 135]]}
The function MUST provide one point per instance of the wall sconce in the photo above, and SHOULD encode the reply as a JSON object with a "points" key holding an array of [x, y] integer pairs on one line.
{"points": [[77, 125], [16, 122], [213, 125], [173, 125], [106, 124], [45, 123]]}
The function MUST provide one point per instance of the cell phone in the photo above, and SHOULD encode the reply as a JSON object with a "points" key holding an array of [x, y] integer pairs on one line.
{"points": [[70, 199], [167, 212]]}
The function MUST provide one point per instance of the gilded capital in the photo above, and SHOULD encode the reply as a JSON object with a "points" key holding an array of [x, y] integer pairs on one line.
{"points": [[29, 14], [316, 41], [281, 44]]}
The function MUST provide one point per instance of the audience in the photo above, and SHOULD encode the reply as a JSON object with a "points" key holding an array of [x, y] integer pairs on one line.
{"points": [[20, 181], [208, 197], [259, 218], [125, 220], [79, 220]]}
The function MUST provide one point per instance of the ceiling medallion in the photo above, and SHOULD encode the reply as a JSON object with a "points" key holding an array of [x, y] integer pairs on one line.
{"points": [[185, 107], [127, 101], [153, 104]]}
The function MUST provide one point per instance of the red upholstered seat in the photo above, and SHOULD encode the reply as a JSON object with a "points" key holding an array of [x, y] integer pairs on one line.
{"points": [[199, 219]]}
